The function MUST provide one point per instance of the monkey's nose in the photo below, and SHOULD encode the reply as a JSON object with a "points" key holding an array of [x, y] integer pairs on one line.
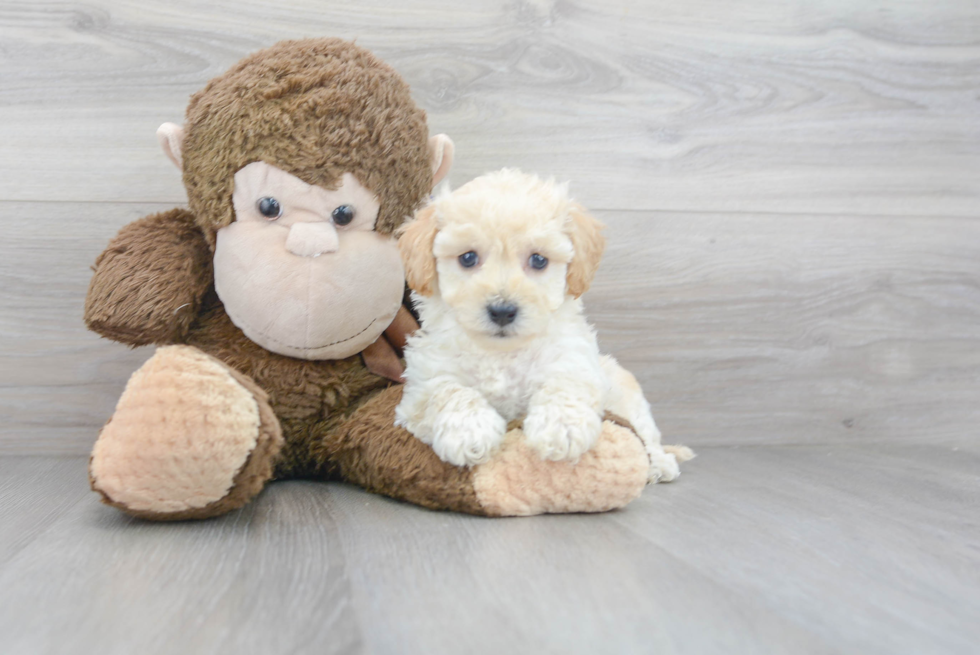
{"points": [[312, 239], [502, 313]]}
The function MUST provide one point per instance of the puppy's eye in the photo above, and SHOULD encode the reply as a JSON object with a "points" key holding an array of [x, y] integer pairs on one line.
{"points": [[343, 215], [270, 208], [537, 261], [469, 259]]}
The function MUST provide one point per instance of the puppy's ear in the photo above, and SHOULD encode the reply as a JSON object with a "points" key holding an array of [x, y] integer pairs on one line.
{"points": [[589, 244], [415, 244]]}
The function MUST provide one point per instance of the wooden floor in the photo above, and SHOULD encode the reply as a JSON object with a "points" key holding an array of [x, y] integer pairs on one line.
{"points": [[792, 190], [775, 549]]}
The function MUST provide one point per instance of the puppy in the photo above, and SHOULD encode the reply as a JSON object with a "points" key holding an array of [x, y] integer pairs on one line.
{"points": [[497, 268]]}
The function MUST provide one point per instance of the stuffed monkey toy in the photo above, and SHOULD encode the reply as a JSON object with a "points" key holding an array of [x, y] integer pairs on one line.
{"points": [[277, 300]]}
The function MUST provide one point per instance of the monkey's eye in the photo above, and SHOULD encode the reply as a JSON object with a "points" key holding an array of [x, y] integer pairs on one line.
{"points": [[538, 261], [343, 215], [270, 208], [469, 259]]}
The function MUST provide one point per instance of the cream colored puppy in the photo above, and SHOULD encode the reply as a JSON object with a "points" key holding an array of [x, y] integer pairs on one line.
{"points": [[497, 268]]}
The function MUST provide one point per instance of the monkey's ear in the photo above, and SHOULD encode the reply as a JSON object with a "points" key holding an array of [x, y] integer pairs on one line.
{"points": [[171, 138], [415, 244], [589, 244], [441, 151]]}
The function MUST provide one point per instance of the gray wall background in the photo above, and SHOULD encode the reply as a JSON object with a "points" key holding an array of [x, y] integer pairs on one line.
{"points": [[792, 189]]}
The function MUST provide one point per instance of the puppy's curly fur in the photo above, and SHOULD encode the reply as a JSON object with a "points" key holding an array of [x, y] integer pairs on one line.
{"points": [[497, 268]]}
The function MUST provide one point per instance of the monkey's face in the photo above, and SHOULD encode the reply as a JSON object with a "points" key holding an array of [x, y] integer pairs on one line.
{"points": [[302, 271]]}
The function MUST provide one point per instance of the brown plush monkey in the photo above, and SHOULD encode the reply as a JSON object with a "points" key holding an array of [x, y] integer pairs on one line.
{"points": [[278, 299]]}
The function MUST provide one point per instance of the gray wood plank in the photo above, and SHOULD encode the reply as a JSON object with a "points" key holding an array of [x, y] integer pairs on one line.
{"points": [[761, 328], [858, 548], [772, 328], [58, 382], [781, 107], [267, 579], [792, 201], [874, 548], [559, 584], [34, 494]]}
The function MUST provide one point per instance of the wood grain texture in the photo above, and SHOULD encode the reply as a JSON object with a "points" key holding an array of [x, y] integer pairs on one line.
{"points": [[792, 197], [268, 579], [841, 540], [867, 108], [760, 329], [35, 493], [58, 382], [771, 328], [829, 150], [785, 549]]}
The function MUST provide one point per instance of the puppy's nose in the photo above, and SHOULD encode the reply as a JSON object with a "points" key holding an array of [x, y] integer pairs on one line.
{"points": [[502, 314]]}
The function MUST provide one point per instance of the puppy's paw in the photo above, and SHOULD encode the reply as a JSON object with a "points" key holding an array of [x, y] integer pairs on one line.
{"points": [[663, 467], [468, 438], [558, 432]]}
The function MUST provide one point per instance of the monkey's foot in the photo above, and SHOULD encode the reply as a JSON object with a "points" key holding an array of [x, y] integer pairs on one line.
{"points": [[517, 482], [190, 438]]}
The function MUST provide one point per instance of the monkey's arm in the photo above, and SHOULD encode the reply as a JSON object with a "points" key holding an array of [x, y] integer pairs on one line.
{"points": [[149, 281], [369, 450]]}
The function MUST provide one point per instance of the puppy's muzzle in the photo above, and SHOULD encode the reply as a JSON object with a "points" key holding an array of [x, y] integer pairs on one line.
{"points": [[502, 313]]}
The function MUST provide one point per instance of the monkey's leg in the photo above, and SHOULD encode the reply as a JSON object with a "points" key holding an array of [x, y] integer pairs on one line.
{"points": [[371, 452], [190, 438]]}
